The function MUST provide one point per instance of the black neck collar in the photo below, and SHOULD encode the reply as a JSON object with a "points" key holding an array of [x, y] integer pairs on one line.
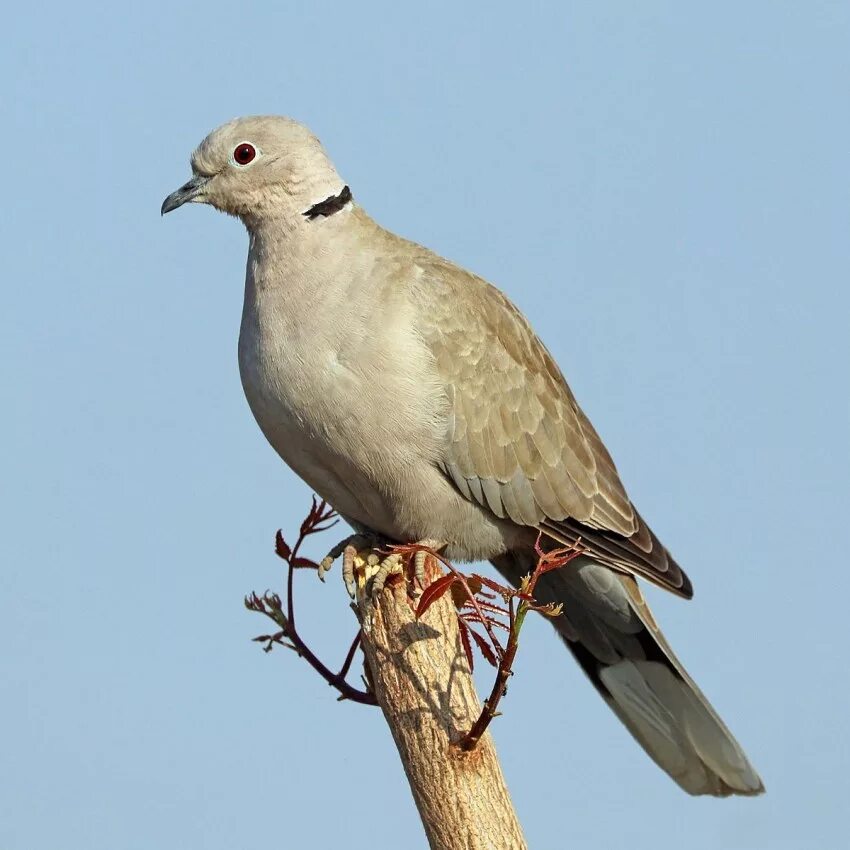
{"points": [[329, 206]]}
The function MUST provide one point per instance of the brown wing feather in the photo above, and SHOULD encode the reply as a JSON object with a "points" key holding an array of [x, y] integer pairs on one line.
{"points": [[518, 442], [642, 553]]}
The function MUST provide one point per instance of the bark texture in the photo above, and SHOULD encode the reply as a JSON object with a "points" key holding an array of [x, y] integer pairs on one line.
{"points": [[423, 684]]}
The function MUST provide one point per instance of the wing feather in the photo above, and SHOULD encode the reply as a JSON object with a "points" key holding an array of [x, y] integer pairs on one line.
{"points": [[518, 444]]}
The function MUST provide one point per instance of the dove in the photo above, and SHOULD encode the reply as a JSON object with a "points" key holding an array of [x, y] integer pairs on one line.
{"points": [[417, 400]]}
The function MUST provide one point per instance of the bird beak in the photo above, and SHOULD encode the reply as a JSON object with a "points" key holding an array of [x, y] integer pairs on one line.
{"points": [[191, 192]]}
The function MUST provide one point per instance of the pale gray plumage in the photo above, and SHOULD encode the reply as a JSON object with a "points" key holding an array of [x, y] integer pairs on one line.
{"points": [[416, 399]]}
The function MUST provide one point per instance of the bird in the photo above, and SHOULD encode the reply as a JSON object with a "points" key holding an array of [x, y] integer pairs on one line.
{"points": [[416, 399]]}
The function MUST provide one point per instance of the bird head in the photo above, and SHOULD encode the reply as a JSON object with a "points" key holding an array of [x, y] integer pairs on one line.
{"points": [[258, 168]]}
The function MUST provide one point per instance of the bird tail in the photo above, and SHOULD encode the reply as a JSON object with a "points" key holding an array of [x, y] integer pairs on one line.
{"points": [[608, 627]]}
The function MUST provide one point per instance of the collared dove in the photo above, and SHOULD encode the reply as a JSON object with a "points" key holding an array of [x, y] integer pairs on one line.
{"points": [[415, 398]]}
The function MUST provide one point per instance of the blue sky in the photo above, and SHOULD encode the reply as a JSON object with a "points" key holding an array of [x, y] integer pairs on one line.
{"points": [[662, 187]]}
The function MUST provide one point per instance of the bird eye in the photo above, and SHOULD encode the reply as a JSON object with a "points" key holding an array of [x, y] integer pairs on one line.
{"points": [[244, 153]]}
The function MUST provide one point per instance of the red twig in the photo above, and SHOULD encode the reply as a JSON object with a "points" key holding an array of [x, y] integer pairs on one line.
{"points": [[471, 597], [346, 665], [520, 602], [320, 518], [474, 604]]}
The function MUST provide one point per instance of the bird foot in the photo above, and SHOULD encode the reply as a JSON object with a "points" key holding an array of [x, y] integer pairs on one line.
{"points": [[391, 565], [366, 566], [408, 561], [356, 546]]}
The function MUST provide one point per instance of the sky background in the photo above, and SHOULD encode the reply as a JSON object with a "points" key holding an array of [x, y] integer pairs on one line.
{"points": [[662, 187]]}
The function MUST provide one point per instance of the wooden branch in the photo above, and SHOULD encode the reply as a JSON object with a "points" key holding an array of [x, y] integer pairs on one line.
{"points": [[418, 670], [421, 678]]}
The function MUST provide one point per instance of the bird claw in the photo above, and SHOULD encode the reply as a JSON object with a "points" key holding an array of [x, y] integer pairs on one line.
{"points": [[353, 543], [349, 549], [348, 556], [393, 563], [421, 557], [377, 569], [419, 561]]}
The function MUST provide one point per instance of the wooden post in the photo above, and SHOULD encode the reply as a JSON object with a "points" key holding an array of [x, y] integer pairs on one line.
{"points": [[423, 684]]}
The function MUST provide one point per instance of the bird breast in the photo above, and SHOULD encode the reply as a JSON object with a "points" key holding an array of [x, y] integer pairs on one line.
{"points": [[344, 390]]}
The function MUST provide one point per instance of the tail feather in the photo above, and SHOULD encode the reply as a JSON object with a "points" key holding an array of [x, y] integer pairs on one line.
{"points": [[607, 625]]}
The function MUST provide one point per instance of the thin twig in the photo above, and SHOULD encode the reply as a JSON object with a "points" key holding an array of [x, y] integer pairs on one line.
{"points": [[320, 518], [547, 561], [346, 665], [472, 598]]}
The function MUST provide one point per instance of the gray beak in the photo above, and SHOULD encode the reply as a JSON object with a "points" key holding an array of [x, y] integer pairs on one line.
{"points": [[188, 193]]}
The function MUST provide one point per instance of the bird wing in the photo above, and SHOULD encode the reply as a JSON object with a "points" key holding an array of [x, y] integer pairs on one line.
{"points": [[518, 443]]}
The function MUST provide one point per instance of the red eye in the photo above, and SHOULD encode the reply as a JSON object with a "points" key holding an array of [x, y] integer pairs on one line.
{"points": [[244, 153]]}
